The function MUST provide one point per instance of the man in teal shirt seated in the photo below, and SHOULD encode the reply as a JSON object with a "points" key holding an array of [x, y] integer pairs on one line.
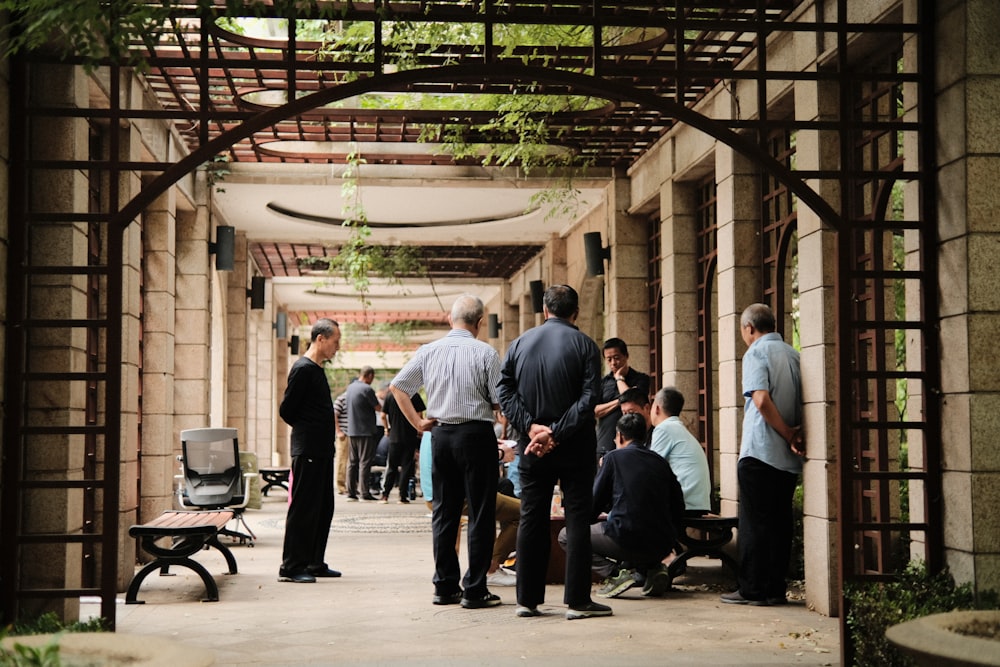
{"points": [[683, 452]]}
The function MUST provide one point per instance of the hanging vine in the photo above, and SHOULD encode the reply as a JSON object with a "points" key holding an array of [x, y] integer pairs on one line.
{"points": [[358, 261]]}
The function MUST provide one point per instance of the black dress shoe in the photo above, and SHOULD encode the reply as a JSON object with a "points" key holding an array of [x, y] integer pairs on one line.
{"points": [[368, 497], [327, 573], [449, 598], [297, 578]]}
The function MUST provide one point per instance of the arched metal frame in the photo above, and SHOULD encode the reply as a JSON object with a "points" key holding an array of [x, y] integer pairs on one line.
{"points": [[651, 90]]}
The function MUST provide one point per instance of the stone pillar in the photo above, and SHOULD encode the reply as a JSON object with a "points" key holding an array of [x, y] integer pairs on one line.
{"points": [[280, 432], [56, 350], [968, 160], [192, 366], [627, 307], [128, 471], [237, 344], [159, 442], [737, 191], [260, 386], [679, 280], [818, 315]]}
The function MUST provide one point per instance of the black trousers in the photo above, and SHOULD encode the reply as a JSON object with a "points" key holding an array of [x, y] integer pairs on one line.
{"points": [[400, 457], [765, 537], [463, 472], [573, 466], [310, 511]]}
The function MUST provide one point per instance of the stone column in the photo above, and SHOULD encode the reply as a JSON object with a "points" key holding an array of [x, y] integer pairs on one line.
{"points": [[627, 308], [259, 421], [679, 280], [278, 452], [192, 367], [236, 328], [738, 192], [159, 442], [57, 349], [818, 315], [968, 159]]}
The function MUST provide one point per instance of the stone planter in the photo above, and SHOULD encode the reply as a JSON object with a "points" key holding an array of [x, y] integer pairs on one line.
{"points": [[111, 649], [933, 640]]}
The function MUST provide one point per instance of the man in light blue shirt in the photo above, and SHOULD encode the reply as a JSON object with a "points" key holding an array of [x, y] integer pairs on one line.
{"points": [[771, 453], [683, 452]]}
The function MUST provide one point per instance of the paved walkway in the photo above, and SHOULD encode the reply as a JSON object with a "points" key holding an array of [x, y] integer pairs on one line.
{"points": [[380, 611]]}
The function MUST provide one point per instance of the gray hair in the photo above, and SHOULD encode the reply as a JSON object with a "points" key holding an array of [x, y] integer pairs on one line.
{"points": [[467, 308], [670, 401], [760, 316]]}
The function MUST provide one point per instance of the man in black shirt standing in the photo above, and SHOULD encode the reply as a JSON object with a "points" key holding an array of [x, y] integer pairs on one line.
{"points": [[619, 379], [308, 408], [549, 385], [403, 442]]}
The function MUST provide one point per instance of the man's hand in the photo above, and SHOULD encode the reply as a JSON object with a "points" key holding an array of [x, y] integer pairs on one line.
{"points": [[797, 440], [507, 450], [542, 441], [427, 424]]}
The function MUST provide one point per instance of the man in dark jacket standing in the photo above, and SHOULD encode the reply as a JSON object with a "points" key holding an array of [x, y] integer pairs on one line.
{"points": [[308, 408], [549, 385]]}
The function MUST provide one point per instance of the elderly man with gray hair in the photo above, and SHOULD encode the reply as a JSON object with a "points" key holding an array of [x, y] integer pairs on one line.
{"points": [[460, 374]]}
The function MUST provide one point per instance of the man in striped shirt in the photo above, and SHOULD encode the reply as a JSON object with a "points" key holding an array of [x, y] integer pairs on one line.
{"points": [[460, 374]]}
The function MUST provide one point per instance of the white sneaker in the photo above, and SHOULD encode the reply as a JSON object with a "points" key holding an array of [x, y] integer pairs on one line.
{"points": [[501, 578]]}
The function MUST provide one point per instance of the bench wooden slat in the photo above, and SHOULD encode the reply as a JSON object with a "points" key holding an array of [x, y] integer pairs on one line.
{"points": [[183, 523]]}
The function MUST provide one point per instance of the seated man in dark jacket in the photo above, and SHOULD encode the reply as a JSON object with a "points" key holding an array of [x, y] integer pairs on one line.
{"points": [[644, 503]]}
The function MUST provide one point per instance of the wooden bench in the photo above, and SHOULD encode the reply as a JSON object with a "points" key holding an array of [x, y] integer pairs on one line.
{"points": [[705, 536], [274, 477], [189, 532]]}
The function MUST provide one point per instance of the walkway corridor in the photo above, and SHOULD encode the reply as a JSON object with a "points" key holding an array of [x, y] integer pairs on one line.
{"points": [[380, 612]]}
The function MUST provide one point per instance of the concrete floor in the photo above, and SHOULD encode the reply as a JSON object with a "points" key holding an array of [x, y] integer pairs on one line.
{"points": [[380, 611]]}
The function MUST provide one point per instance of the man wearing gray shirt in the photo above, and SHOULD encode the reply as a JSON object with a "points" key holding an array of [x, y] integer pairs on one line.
{"points": [[362, 432], [460, 374]]}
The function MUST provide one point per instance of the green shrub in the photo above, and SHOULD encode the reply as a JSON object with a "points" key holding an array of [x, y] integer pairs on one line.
{"points": [[49, 623], [797, 563], [874, 607]]}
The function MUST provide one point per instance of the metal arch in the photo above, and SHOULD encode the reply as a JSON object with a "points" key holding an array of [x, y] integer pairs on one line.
{"points": [[504, 72]]}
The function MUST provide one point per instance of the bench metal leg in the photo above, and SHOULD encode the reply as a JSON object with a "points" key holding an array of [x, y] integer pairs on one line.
{"points": [[213, 541], [210, 586]]}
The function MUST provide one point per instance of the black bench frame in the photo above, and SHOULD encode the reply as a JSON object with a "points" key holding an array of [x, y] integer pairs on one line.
{"points": [[713, 534], [190, 533], [274, 477]]}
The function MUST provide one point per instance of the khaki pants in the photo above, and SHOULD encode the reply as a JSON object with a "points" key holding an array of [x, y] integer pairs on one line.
{"points": [[341, 464]]}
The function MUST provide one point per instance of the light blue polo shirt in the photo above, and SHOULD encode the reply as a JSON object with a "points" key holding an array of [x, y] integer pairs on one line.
{"points": [[687, 459], [773, 365]]}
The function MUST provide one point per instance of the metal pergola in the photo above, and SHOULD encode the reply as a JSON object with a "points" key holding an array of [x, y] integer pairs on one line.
{"points": [[642, 67]]}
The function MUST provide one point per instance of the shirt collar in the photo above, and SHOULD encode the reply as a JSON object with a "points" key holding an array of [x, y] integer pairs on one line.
{"points": [[562, 321]]}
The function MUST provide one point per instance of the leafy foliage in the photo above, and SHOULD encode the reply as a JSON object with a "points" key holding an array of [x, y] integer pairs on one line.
{"points": [[92, 29], [358, 261], [872, 608], [46, 655]]}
